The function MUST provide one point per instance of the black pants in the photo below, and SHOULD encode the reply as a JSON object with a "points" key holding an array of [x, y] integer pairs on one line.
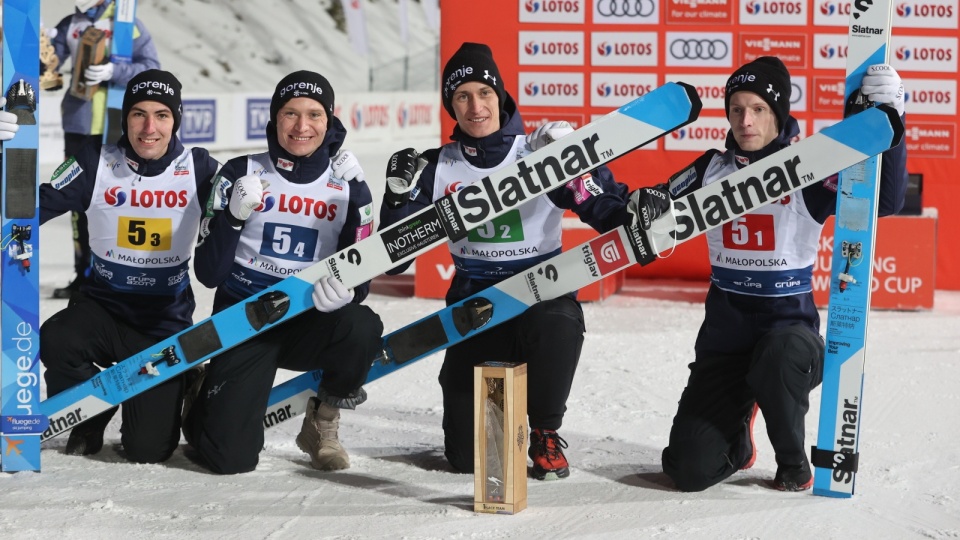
{"points": [[82, 338], [548, 337], [225, 425], [72, 143], [705, 440]]}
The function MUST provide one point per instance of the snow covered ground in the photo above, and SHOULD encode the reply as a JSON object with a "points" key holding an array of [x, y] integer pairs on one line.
{"points": [[631, 373]]}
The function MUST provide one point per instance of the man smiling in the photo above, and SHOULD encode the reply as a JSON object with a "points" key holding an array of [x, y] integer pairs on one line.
{"points": [[142, 198]]}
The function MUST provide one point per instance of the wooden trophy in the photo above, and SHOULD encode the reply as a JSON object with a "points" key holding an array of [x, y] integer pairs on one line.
{"points": [[92, 50], [500, 438], [50, 78]]}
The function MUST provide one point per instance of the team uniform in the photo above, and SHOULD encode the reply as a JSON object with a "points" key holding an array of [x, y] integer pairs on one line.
{"points": [[549, 335], [83, 120], [759, 343], [307, 214], [144, 217]]}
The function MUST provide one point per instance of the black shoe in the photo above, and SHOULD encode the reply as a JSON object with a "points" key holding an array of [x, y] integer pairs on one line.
{"points": [[87, 438], [64, 293], [793, 477]]}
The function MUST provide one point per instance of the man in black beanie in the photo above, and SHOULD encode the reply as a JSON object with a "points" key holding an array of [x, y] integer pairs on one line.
{"points": [[252, 242], [143, 198], [759, 348], [548, 337]]}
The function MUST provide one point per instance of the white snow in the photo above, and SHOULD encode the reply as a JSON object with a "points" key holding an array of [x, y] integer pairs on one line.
{"points": [[632, 371]]}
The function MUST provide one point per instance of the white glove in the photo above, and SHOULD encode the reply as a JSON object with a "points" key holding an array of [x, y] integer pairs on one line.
{"points": [[402, 170], [247, 196], [346, 166], [84, 5], [8, 122], [882, 84], [547, 133], [99, 73], [330, 295]]}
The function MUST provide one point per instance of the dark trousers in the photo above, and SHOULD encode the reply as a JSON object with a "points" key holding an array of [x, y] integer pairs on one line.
{"points": [[82, 338], [548, 337], [706, 438], [72, 143], [225, 425]]}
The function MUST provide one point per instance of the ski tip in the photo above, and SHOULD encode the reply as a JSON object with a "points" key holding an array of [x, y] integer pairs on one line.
{"points": [[896, 122], [696, 105]]}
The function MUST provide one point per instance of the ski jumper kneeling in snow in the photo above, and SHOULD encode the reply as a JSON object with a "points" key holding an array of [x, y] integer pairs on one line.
{"points": [[548, 336], [253, 238], [759, 346], [143, 198]]}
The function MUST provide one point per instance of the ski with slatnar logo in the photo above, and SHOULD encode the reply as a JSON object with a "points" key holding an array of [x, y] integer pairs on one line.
{"points": [[21, 422], [121, 52], [770, 179], [836, 456], [450, 218]]}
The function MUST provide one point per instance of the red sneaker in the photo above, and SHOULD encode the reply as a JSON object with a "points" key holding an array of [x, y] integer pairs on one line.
{"points": [[749, 447], [546, 451]]}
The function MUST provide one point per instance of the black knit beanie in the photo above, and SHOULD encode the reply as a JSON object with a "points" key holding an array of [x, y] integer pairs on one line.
{"points": [[302, 84], [473, 62], [153, 85], [768, 78]]}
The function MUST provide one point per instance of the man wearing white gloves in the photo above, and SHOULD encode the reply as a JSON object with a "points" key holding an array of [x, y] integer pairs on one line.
{"points": [[83, 120], [759, 346], [270, 216]]}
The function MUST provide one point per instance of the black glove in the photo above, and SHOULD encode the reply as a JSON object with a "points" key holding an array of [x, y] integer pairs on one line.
{"points": [[649, 203], [402, 176]]}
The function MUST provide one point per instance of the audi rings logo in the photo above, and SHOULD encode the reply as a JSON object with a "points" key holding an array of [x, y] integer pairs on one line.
{"points": [[626, 8], [699, 49], [796, 93]]}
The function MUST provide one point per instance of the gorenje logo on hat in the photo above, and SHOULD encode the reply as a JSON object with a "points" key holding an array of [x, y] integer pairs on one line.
{"points": [[153, 87], [299, 87], [453, 80]]}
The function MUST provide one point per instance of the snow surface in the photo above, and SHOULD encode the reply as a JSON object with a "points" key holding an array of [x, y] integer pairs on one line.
{"points": [[631, 373]]}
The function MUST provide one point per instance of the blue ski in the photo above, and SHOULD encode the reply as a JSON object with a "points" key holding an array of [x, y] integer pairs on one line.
{"points": [[767, 180], [121, 52], [835, 457], [623, 130], [21, 422]]}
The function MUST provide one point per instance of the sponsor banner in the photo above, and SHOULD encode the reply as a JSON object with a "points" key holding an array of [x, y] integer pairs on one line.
{"points": [[790, 48], [916, 53], [798, 94], [368, 116], [532, 121], [717, 12], [417, 116], [830, 51], [699, 49], [626, 11], [926, 14], [634, 49], [700, 136], [198, 122], [552, 11], [616, 89], [710, 88], [551, 48], [931, 139], [831, 12], [828, 95], [551, 89], [931, 96], [905, 263], [258, 115], [774, 12]]}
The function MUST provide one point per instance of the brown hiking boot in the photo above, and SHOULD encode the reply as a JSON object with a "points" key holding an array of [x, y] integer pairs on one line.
{"points": [[318, 437]]}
